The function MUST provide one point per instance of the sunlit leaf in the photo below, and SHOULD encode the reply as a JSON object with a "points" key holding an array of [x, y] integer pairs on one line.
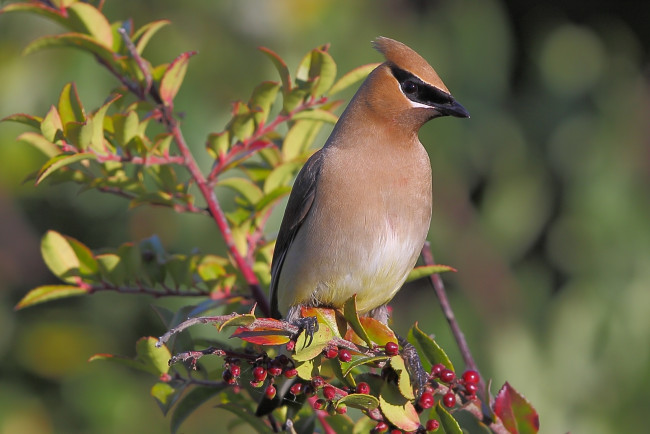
{"points": [[51, 124], [447, 421], [427, 270], [85, 17], [263, 97], [299, 138], [75, 40], [397, 409], [59, 256], [281, 66], [432, 351], [281, 176], [165, 395], [323, 71], [142, 36], [25, 119], [59, 161], [316, 115], [360, 401], [48, 293], [403, 378], [37, 8], [40, 143], [149, 358], [352, 317], [97, 141], [263, 335], [238, 321], [173, 77]]}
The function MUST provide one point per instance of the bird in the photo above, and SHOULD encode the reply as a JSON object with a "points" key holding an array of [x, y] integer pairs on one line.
{"points": [[360, 209]]}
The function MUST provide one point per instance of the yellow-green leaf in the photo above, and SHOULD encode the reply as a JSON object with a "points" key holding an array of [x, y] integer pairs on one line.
{"points": [[299, 138], [40, 143], [263, 97], [360, 401], [25, 119], [397, 409], [51, 124], [427, 270], [281, 66], [84, 17], [74, 40], [242, 320], [47, 293], [352, 77], [352, 317], [60, 161], [427, 346], [59, 256], [142, 36], [173, 77], [70, 108], [316, 115], [403, 378]]}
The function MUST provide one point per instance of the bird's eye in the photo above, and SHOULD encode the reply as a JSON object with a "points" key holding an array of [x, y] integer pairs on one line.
{"points": [[409, 87]]}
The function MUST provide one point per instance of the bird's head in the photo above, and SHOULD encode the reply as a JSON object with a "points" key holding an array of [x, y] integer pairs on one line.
{"points": [[406, 89]]}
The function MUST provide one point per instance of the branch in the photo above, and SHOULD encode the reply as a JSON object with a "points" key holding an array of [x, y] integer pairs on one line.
{"points": [[163, 292]]}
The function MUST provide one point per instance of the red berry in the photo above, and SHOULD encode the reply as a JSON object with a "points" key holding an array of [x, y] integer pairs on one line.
{"points": [[381, 427], [291, 345], [396, 431], [228, 377], [471, 377], [363, 388], [259, 373], [331, 352], [275, 369], [296, 388], [426, 401], [447, 376], [392, 349], [257, 383], [471, 389], [236, 370], [329, 392], [432, 425], [317, 382], [319, 404], [344, 355], [165, 377], [290, 373], [449, 399], [437, 369], [342, 409], [270, 391]]}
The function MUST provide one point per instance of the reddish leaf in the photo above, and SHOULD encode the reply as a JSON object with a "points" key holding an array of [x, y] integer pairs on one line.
{"points": [[263, 335], [281, 66], [516, 413], [173, 77]]}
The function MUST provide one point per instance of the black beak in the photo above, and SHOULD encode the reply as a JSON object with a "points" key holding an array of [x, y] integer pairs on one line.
{"points": [[452, 108]]}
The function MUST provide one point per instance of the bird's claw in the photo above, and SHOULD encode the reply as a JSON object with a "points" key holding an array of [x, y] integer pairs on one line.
{"points": [[309, 325]]}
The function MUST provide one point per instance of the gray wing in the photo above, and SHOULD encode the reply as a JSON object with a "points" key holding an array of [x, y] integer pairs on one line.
{"points": [[298, 207]]}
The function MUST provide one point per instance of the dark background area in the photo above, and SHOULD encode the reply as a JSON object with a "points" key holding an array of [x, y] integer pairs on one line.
{"points": [[541, 199]]}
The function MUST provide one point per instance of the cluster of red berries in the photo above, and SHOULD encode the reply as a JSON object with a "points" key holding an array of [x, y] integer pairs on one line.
{"points": [[281, 365]]}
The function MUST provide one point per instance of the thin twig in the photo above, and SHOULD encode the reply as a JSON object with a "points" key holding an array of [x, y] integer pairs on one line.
{"points": [[144, 68]]}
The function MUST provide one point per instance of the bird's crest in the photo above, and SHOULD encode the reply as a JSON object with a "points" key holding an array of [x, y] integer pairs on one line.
{"points": [[407, 59]]}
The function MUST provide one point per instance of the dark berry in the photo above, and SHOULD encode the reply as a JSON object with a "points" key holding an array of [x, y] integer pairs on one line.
{"points": [[317, 382], [270, 391], [236, 370], [331, 352], [290, 373], [432, 425], [344, 355], [329, 392], [426, 401], [392, 349], [319, 404], [471, 389], [449, 399], [296, 388], [437, 369], [363, 388], [228, 377], [259, 373], [282, 359], [471, 377], [447, 376]]}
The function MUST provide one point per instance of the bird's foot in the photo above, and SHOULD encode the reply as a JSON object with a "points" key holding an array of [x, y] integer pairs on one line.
{"points": [[414, 365], [307, 324]]}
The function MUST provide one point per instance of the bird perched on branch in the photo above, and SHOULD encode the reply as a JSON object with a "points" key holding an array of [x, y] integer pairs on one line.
{"points": [[360, 209]]}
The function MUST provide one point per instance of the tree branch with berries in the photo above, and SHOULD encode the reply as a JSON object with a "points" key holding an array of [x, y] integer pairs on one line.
{"points": [[275, 376]]}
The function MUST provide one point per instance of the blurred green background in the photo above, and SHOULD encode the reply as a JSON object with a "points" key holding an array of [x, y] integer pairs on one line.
{"points": [[541, 199]]}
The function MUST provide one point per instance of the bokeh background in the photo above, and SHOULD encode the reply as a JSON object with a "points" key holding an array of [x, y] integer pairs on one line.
{"points": [[541, 199]]}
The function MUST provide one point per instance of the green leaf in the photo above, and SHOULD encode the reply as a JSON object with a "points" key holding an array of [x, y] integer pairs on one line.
{"points": [[74, 40], [59, 256], [97, 141], [431, 350], [249, 191], [316, 115], [173, 77], [352, 77], [47, 293], [84, 17], [111, 268], [70, 108], [397, 409], [516, 413], [447, 421], [59, 161], [281, 66], [191, 402], [320, 340], [40, 143], [249, 417], [378, 332], [165, 395], [360, 401], [427, 270], [25, 119], [51, 124], [403, 378], [142, 36], [80, 134], [242, 320], [37, 8], [323, 71], [242, 124], [125, 126], [218, 144], [263, 97], [299, 138], [352, 317], [87, 263], [281, 176], [358, 360], [149, 358]]}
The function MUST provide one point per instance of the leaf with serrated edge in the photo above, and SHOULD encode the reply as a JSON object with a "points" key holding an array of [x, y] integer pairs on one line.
{"points": [[403, 378], [360, 401], [352, 77], [427, 270], [431, 350], [352, 317], [47, 293], [398, 410], [516, 413], [191, 402], [173, 77]]}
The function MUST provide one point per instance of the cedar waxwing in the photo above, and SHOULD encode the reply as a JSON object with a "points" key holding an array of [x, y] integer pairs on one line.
{"points": [[360, 209]]}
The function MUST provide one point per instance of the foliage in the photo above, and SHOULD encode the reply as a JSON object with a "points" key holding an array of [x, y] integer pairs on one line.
{"points": [[132, 146]]}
